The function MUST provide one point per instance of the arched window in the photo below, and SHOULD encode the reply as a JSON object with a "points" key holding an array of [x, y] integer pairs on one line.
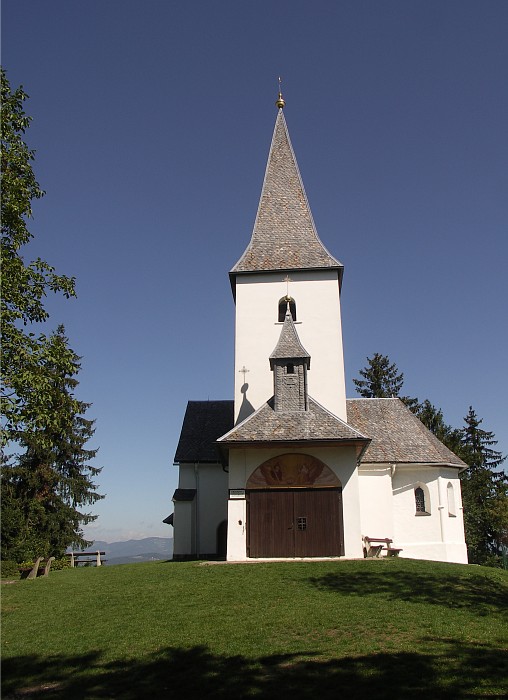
{"points": [[451, 500], [283, 305], [420, 500]]}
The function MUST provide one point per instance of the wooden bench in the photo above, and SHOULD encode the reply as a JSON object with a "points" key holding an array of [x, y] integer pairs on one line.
{"points": [[371, 550], [86, 558], [41, 567]]}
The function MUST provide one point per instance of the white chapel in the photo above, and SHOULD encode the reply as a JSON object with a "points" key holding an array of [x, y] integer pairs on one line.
{"points": [[292, 468]]}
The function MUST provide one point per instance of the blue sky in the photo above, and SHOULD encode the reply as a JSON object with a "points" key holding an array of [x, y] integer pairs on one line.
{"points": [[152, 122]]}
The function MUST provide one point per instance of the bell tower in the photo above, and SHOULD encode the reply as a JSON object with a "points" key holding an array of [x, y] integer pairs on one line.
{"points": [[285, 243]]}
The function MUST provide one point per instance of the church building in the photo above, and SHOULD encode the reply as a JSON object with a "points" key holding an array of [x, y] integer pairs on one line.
{"points": [[292, 468]]}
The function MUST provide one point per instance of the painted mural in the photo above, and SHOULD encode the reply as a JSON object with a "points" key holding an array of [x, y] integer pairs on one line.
{"points": [[292, 470]]}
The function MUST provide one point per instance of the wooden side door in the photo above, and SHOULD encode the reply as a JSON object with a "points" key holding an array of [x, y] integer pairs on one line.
{"points": [[318, 523], [270, 524]]}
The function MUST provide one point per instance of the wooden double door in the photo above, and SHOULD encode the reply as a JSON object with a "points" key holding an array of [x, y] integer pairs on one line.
{"points": [[295, 523]]}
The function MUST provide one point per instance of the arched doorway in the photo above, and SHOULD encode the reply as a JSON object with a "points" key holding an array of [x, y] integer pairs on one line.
{"points": [[294, 509], [222, 539]]}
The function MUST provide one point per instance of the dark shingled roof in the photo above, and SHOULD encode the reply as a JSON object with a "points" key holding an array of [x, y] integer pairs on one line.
{"points": [[398, 436], [315, 425], [203, 423], [284, 235], [289, 345], [184, 494]]}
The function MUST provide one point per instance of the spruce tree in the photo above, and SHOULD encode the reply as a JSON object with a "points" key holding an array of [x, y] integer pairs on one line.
{"points": [[484, 493], [47, 485], [381, 378]]}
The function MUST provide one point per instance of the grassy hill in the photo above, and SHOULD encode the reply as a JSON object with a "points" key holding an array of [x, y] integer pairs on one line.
{"points": [[350, 629]]}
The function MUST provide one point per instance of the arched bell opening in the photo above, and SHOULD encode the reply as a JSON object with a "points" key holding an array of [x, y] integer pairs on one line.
{"points": [[283, 306]]}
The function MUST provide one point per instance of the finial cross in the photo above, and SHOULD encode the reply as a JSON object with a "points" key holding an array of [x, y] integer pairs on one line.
{"points": [[280, 101], [244, 370]]}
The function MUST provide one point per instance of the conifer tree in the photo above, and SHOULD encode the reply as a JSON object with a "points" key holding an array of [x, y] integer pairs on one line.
{"points": [[381, 378], [484, 493], [46, 486]]}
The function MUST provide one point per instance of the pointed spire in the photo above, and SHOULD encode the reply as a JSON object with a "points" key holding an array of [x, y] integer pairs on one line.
{"points": [[289, 346], [284, 235]]}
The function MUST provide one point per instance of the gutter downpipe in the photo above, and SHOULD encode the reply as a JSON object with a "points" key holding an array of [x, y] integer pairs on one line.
{"points": [[393, 469], [196, 517], [440, 508]]}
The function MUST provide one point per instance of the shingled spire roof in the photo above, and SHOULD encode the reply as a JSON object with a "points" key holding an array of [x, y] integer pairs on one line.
{"points": [[289, 345], [284, 235]]}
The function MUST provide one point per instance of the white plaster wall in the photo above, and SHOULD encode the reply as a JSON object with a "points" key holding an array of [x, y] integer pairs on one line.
{"points": [[376, 507], [212, 507], [237, 537], [196, 522], [186, 476], [453, 525], [409, 527], [342, 461], [184, 533], [318, 325], [436, 551], [432, 536]]}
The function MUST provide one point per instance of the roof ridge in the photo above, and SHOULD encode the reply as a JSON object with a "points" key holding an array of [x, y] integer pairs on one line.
{"points": [[245, 420], [375, 398], [341, 420], [281, 426]]}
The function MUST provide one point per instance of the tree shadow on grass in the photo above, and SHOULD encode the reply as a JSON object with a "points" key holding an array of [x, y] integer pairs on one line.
{"points": [[458, 671], [469, 589]]}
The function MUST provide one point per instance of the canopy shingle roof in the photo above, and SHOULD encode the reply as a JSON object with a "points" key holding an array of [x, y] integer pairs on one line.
{"points": [[284, 235], [314, 425], [398, 436], [289, 345]]}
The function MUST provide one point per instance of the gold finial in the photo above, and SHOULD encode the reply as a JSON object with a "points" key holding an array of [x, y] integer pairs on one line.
{"points": [[280, 102]]}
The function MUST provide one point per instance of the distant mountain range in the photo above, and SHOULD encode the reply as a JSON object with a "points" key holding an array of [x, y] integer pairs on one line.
{"points": [[131, 551]]}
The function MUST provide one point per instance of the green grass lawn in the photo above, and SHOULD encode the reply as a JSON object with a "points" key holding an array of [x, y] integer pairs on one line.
{"points": [[350, 629]]}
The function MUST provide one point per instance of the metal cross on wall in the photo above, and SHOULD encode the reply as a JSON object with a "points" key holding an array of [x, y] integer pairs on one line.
{"points": [[244, 370]]}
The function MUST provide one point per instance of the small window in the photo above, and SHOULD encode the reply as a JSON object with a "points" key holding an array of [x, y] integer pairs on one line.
{"points": [[420, 500], [290, 369], [283, 305], [301, 523]]}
